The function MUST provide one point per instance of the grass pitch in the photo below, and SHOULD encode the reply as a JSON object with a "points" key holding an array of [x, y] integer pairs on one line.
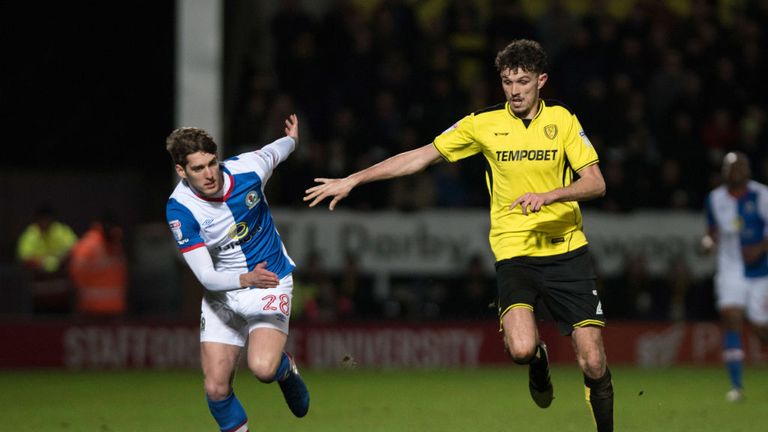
{"points": [[488, 399]]}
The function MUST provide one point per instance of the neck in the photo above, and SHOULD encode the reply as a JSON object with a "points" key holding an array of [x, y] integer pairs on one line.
{"points": [[531, 112], [737, 190]]}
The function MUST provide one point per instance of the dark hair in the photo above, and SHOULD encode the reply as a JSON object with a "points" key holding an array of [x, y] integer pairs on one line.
{"points": [[522, 54], [187, 140]]}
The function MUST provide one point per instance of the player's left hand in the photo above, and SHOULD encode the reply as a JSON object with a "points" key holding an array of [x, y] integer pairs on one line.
{"points": [[292, 127], [753, 253], [259, 277], [530, 202]]}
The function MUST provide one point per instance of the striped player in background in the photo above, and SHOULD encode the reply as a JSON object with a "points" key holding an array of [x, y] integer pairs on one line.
{"points": [[737, 225], [222, 224]]}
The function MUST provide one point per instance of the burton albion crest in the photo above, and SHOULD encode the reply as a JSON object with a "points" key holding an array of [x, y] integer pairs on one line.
{"points": [[550, 131]]}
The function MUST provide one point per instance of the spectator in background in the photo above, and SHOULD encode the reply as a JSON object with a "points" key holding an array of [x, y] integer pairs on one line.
{"points": [[720, 133], [98, 269], [472, 295], [320, 299], [642, 288], [679, 284], [43, 249], [737, 221], [357, 287]]}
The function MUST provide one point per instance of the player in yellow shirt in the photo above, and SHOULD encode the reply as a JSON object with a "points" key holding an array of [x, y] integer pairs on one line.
{"points": [[533, 148]]}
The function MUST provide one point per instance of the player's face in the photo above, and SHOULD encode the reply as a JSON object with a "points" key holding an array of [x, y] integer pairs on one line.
{"points": [[522, 91], [202, 173], [736, 170]]}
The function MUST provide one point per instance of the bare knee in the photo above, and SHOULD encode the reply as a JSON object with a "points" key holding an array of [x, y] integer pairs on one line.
{"points": [[592, 363], [521, 353], [217, 389], [263, 368]]}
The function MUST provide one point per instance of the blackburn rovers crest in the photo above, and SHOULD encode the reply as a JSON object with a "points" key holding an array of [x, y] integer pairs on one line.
{"points": [[550, 131], [251, 199]]}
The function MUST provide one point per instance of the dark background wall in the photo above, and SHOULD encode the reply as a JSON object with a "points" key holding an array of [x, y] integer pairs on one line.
{"points": [[86, 97]]}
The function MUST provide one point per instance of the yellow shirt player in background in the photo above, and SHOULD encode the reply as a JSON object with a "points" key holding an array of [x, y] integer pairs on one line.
{"points": [[533, 148]]}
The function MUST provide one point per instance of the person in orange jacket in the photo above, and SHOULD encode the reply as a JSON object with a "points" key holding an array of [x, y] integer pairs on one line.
{"points": [[98, 269]]}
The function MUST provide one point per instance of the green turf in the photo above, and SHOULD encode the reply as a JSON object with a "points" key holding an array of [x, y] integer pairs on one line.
{"points": [[676, 399]]}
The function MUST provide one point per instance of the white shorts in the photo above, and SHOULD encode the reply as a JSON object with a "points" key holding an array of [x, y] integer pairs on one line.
{"points": [[750, 294], [229, 317]]}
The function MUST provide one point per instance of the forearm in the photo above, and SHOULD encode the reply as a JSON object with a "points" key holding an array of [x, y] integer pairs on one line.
{"points": [[587, 187], [280, 149], [400, 165], [200, 263]]}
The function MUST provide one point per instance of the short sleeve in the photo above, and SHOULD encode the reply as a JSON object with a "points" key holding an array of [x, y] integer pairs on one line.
{"points": [[578, 148], [458, 141], [185, 229]]}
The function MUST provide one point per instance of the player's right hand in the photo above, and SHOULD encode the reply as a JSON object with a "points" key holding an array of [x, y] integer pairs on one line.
{"points": [[259, 277], [336, 188], [292, 127]]}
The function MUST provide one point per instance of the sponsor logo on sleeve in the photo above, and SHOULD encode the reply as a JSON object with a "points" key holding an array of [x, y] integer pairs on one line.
{"points": [[176, 229], [453, 126], [584, 138]]}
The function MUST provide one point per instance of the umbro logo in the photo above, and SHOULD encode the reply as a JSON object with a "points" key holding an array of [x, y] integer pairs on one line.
{"points": [[501, 133]]}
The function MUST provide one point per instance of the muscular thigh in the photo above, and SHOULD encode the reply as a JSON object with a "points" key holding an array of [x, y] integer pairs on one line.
{"points": [[219, 361], [265, 345]]}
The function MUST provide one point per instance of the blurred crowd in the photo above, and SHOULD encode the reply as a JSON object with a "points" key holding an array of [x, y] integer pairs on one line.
{"points": [[63, 273], [661, 92]]}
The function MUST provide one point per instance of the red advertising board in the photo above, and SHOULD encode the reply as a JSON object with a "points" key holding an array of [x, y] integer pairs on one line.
{"points": [[162, 345]]}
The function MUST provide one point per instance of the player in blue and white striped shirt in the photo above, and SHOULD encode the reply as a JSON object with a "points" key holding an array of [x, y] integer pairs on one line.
{"points": [[737, 220], [222, 224]]}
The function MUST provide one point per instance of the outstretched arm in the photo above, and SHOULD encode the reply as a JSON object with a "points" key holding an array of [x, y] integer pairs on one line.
{"points": [[399, 165], [279, 150], [590, 185]]}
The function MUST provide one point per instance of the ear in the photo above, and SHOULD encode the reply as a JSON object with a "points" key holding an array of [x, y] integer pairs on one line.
{"points": [[180, 171], [543, 79]]}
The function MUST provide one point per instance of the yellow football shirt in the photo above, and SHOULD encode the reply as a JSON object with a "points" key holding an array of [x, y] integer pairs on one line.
{"points": [[538, 157]]}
